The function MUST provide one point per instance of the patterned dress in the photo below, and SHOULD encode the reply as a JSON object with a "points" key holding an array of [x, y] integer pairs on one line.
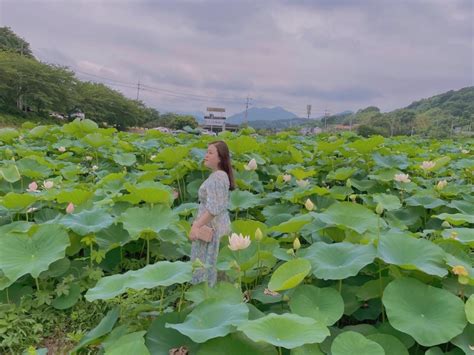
{"points": [[213, 197]]}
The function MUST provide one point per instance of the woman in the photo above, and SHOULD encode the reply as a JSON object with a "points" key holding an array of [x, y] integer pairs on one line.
{"points": [[213, 204]]}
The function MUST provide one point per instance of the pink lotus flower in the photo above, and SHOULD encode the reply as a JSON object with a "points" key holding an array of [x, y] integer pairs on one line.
{"points": [[441, 184], [70, 208], [32, 187], [402, 178], [428, 165], [238, 242], [252, 165], [286, 177], [302, 183], [62, 149]]}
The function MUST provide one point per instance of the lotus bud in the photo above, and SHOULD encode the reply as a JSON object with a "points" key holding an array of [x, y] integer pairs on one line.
{"points": [[296, 244], [445, 224], [309, 205], [349, 183], [61, 149], [353, 197], [32, 187], [70, 208], [258, 234], [252, 165], [290, 252], [379, 209], [95, 167], [441, 184]]}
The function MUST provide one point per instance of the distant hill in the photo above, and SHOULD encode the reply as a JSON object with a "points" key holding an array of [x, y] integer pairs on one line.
{"points": [[262, 114]]}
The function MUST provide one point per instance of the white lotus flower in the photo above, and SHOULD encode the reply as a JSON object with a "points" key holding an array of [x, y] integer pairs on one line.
{"points": [[62, 149], [153, 156], [70, 208], [302, 183], [95, 167], [238, 242], [465, 151], [427, 165], [48, 184], [441, 184], [88, 158], [286, 177], [32, 187], [402, 178], [252, 165], [309, 205]]}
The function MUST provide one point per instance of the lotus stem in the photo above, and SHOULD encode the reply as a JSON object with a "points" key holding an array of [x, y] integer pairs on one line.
{"points": [[37, 284], [161, 299], [340, 286], [8, 296], [147, 251], [381, 292]]}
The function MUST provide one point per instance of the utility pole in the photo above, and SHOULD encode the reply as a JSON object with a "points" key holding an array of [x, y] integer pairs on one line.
{"points": [[326, 115], [246, 110], [308, 110], [138, 89]]}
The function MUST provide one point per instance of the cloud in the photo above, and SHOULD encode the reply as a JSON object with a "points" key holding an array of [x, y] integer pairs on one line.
{"points": [[337, 55]]}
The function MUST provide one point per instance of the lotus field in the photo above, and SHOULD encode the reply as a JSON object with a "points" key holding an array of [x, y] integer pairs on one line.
{"points": [[355, 245]]}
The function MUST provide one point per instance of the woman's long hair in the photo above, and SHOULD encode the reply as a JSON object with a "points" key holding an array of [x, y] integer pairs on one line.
{"points": [[224, 161]]}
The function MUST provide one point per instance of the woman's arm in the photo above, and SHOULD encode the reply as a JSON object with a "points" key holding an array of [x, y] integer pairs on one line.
{"points": [[205, 218]]}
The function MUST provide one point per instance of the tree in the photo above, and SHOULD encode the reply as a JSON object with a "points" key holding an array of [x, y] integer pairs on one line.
{"points": [[10, 42]]}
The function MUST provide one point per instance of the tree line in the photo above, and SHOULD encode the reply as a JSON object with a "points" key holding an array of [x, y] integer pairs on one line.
{"points": [[29, 87]]}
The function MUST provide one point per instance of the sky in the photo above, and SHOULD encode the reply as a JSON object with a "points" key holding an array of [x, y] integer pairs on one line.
{"points": [[335, 55]]}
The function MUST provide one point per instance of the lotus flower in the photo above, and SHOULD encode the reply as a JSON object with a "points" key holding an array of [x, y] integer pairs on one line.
{"points": [[309, 205], [402, 178], [95, 167], [238, 242], [296, 244], [441, 185], [252, 165], [48, 184], [465, 151], [62, 149], [70, 208], [258, 234], [88, 158], [302, 183], [286, 177], [32, 187], [427, 165], [459, 270]]}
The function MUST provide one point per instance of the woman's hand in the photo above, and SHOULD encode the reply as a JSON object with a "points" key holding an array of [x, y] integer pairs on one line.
{"points": [[193, 231]]}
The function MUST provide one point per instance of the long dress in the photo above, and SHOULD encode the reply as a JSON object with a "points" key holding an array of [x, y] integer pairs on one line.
{"points": [[213, 197]]}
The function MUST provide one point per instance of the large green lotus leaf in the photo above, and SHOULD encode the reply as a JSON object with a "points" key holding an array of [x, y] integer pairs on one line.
{"points": [[125, 159], [222, 290], [426, 201], [34, 167], [347, 215], [17, 201], [76, 196], [388, 202], [391, 161], [469, 309], [350, 342], [292, 225], [242, 200], [430, 315], [87, 221], [144, 219], [366, 145], [410, 253], [248, 227], [243, 144], [285, 330], [455, 219], [38, 131], [212, 318], [466, 207], [301, 174], [440, 162], [7, 135], [289, 275], [328, 147], [465, 340], [80, 128], [235, 344], [112, 237], [10, 173], [323, 304], [307, 349], [407, 340], [160, 339], [162, 273], [341, 173], [339, 260], [390, 344], [172, 156], [69, 300], [384, 175], [22, 254], [15, 227], [97, 140], [132, 343], [105, 326], [150, 192]]}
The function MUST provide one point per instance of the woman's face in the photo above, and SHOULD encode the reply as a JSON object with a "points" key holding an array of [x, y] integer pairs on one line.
{"points": [[211, 160]]}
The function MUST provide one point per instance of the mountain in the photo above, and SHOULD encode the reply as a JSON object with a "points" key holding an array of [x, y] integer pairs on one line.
{"points": [[262, 114]]}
